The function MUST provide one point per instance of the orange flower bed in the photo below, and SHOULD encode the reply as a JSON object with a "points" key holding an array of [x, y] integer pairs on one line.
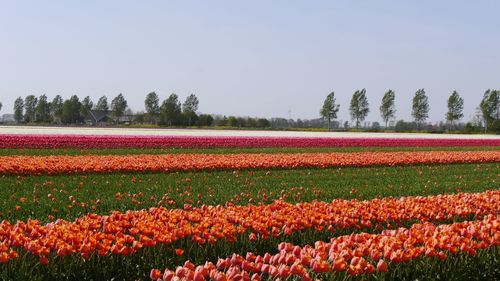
{"points": [[185, 162], [125, 233], [356, 253]]}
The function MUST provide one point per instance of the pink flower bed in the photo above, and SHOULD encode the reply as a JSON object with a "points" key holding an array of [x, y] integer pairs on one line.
{"points": [[94, 141]]}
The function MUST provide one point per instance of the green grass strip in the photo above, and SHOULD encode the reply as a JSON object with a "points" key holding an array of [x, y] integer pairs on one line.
{"points": [[71, 196], [124, 151]]}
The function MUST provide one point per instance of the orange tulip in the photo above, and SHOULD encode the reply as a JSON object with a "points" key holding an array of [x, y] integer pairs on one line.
{"points": [[276, 266], [382, 266], [125, 233], [187, 162]]}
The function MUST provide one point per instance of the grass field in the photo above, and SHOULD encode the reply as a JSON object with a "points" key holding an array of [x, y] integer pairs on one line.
{"points": [[125, 151], [71, 196]]}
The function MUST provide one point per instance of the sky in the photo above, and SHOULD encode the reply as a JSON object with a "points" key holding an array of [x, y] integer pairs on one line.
{"points": [[252, 58]]}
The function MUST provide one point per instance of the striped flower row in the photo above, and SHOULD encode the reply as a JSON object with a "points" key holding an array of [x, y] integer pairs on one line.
{"points": [[356, 253], [94, 141], [125, 233], [62, 164]]}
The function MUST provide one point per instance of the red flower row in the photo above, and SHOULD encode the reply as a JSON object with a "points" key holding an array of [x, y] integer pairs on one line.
{"points": [[93, 141], [125, 233], [187, 162], [356, 253]]}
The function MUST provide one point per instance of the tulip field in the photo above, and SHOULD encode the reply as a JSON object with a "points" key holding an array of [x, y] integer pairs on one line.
{"points": [[80, 206], [86, 141]]}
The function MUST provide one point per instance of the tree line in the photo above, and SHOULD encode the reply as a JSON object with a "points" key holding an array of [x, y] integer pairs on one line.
{"points": [[34, 109], [171, 112], [359, 108]]}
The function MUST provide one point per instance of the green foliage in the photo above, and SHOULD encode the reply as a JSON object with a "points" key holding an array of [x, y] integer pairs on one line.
{"points": [[42, 110], [139, 118], [292, 185], [191, 104], [189, 108], [225, 150], [71, 111], [359, 106], [402, 126], [18, 109], [470, 128], [387, 108], [263, 123], [102, 104], [29, 108], [490, 109], [151, 104], [86, 107], [455, 108], [170, 111], [420, 107], [233, 121], [118, 105], [204, 120], [56, 107], [329, 109]]}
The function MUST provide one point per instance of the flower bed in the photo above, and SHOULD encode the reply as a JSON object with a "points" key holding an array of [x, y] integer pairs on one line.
{"points": [[96, 141], [356, 253], [187, 162], [125, 233]]}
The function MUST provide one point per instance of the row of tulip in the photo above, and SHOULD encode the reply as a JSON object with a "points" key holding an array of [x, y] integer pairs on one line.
{"points": [[361, 253], [63, 164], [125, 233], [93, 141]]}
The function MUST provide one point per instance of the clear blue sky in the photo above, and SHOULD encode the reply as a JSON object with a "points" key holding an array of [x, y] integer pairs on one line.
{"points": [[257, 58]]}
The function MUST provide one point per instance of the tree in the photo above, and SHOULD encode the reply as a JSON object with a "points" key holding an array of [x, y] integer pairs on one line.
{"points": [[329, 109], [420, 107], [118, 105], [56, 108], [170, 110], [387, 108], [477, 118], [190, 107], [86, 107], [251, 122], [29, 108], [233, 121], [359, 106], [18, 109], [151, 104], [490, 109], [204, 120], [401, 126], [139, 117], [42, 109], [1, 106], [102, 104], [455, 108], [263, 123], [71, 110]]}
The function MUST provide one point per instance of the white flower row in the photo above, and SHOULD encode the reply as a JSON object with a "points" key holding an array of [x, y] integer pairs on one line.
{"points": [[223, 133]]}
